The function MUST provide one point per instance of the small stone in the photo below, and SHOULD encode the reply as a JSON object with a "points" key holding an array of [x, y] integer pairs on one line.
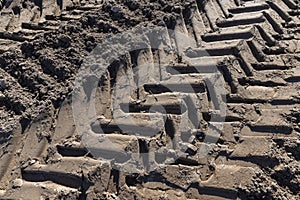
{"points": [[101, 117], [161, 23], [17, 183], [115, 9], [19, 151], [3, 84], [2, 192], [191, 147], [212, 166], [32, 162], [65, 41]]}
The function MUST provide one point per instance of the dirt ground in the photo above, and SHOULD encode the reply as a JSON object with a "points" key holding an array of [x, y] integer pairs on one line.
{"points": [[232, 136]]}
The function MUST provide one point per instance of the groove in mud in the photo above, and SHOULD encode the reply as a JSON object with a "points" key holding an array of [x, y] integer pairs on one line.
{"points": [[227, 36], [273, 23], [253, 8], [169, 128], [218, 192], [254, 82], [293, 79], [68, 180], [186, 161], [190, 69], [176, 109], [72, 151], [132, 180], [144, 151], [185, 88], [229, 23], [280, 12], [272, 129], [195, 53], [264, 66], [115, 176], [284, 102], [258, 54], [263, 161]]}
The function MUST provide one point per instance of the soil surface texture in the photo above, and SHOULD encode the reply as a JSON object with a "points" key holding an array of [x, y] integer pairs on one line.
{"points": [[217, 81]]}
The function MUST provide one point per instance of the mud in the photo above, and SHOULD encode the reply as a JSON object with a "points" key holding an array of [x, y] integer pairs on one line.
{"points": [[255, 46]]}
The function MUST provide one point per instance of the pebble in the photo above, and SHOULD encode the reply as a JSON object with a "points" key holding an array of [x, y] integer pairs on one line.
{"points": [[17, 183], [2, 192], [3, 84], [161, 23], [32, 162], [115, 9]]}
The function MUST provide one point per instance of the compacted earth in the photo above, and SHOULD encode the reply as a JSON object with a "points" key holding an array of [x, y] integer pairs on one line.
{"points": [[199, 99]]}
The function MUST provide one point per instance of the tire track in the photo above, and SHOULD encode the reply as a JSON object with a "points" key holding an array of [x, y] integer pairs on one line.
{"points": [[245, 41]]}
